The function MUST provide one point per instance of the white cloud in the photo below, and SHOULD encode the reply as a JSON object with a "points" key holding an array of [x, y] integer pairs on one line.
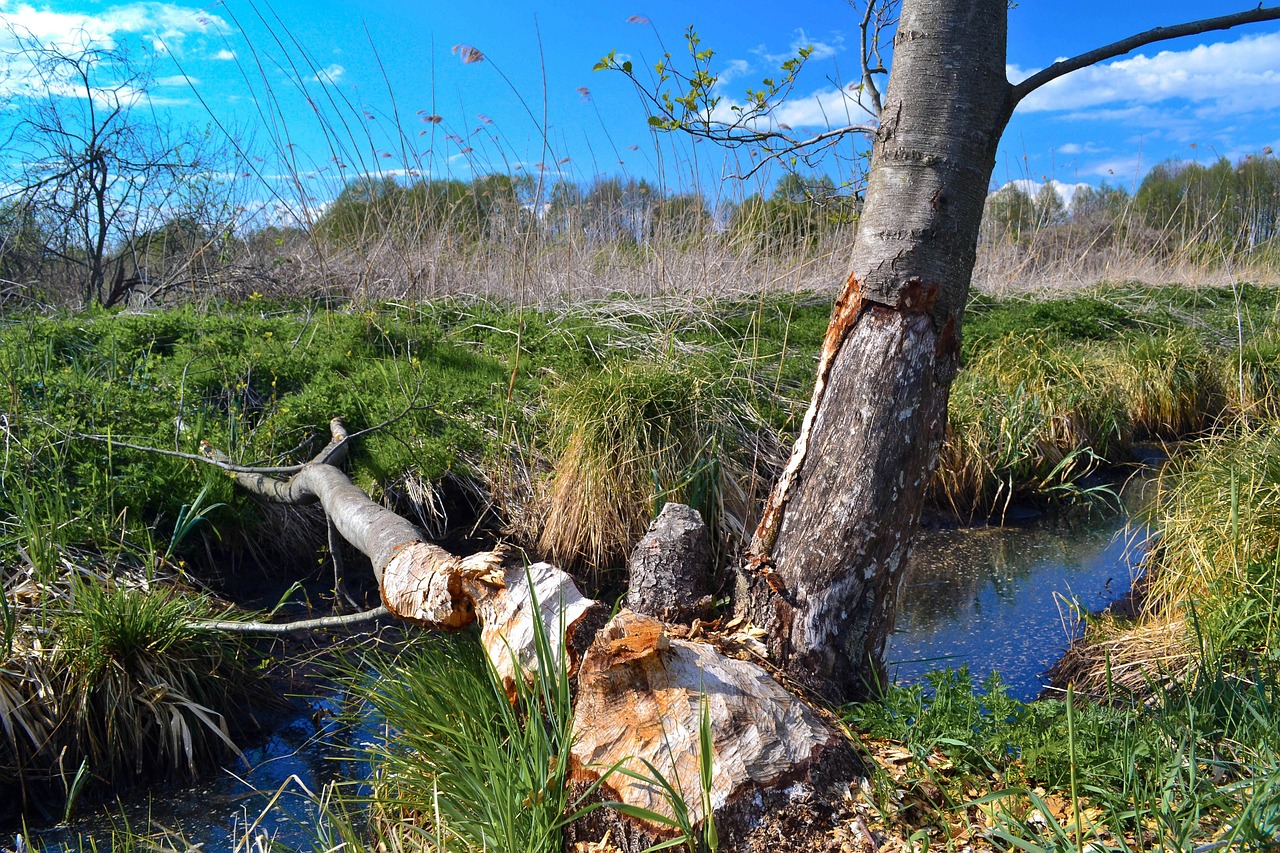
{"points": [[824, 109], [732, 70], [1066, 192], [331, 74], [165, 23], [1234, 77], [1121, 171], [225, 55], [159, 26], [177, 80], [821, 49], [1077, 148]]}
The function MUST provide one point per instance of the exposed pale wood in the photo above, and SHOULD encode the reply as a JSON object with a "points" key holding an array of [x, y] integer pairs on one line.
{"points": [[424, 583], [508, 622], [639, 696]]}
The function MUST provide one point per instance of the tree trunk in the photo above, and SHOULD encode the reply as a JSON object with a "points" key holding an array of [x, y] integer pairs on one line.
{"points": [[828, 555]]}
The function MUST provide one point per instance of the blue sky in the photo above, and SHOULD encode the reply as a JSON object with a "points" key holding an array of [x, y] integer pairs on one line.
{"points": [[377, 72]]}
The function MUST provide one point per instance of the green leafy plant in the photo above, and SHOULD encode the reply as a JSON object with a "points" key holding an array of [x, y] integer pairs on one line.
{"points": [[190, 516]]}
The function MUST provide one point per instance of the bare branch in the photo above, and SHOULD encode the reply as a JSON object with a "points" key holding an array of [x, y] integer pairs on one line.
{"points": [[295, 490], [224, 463], [233, 626], [806, 147], [1119, 48], [868, 79], [211, 456]]}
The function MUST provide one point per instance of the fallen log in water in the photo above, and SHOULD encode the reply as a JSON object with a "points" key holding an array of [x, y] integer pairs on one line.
{"points": [[640, 690]]}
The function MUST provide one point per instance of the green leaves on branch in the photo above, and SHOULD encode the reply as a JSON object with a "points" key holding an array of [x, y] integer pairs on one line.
{"points": [[687, 100]]}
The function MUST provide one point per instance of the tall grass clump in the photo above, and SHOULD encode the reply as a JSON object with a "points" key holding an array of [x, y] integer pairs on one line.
{"points": [[110, 682], [1211, 585], [630, 437], [146, 689], [1218, 558], [461, 767], [1252, 376], [1169, 381], [1027, 417], [1053, 390]]}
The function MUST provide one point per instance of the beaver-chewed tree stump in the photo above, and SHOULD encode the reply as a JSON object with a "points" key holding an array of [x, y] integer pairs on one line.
{"points": [[640, 688]]}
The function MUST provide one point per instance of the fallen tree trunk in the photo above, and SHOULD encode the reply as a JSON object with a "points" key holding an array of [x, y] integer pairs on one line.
{"points": [[640, 688]]}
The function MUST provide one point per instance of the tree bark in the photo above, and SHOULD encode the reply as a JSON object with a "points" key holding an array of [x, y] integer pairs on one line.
{"points": [[828, 555], [667, 573]]}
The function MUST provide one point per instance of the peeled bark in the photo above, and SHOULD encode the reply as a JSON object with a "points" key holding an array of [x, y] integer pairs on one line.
{"points": [[831, 546]]}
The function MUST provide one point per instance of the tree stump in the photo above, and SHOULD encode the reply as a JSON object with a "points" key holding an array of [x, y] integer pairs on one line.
{"points": [[669, 567]]}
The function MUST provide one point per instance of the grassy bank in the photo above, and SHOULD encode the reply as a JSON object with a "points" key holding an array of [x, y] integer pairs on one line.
{"points": [[562, 430], [958, 765]]}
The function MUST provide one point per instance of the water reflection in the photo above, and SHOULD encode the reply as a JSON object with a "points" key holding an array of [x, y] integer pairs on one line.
{"points": [[223, 811], [998, 598]]}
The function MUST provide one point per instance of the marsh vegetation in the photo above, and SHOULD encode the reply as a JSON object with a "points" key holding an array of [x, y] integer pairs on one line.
{"points": [[545, 363]]}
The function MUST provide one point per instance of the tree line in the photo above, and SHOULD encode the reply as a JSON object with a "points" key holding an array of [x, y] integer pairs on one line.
{"points": [[1210, 212], [796, 215]]}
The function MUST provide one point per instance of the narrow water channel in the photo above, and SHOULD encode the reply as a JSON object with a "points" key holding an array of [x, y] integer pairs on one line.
{"points": [[1007, 598], [244, 808]]}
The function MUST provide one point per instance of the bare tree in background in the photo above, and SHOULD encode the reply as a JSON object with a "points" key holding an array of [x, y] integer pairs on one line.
{"points": [[91, 166]]}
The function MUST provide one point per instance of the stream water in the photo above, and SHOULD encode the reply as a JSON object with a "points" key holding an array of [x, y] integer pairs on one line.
{"points": [[989, 598], [1007, 599]]}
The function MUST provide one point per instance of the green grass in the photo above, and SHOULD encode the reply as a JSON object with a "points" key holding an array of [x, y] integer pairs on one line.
{"points": [[1049, 389], [1197, 764], [630, 437], [144, 689], [462, 768]]}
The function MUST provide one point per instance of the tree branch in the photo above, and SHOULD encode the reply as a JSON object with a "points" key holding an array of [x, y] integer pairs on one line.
{"points": [[1119, 48], [271, 628], [212, 456], [296, 489]]}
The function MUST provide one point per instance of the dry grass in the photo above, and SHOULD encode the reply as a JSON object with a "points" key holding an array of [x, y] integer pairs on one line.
{"points": [[1119, 658], [1070, 258], [1211, 589], [576, 271], [632, 436]]}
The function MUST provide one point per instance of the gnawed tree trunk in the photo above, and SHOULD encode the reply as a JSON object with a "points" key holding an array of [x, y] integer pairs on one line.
{"points": [[828, 555], [827, 558], [639, 688]]}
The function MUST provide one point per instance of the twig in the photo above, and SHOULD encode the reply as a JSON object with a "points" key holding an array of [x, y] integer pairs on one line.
{"points": [[269, 628], [223, 461]]}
